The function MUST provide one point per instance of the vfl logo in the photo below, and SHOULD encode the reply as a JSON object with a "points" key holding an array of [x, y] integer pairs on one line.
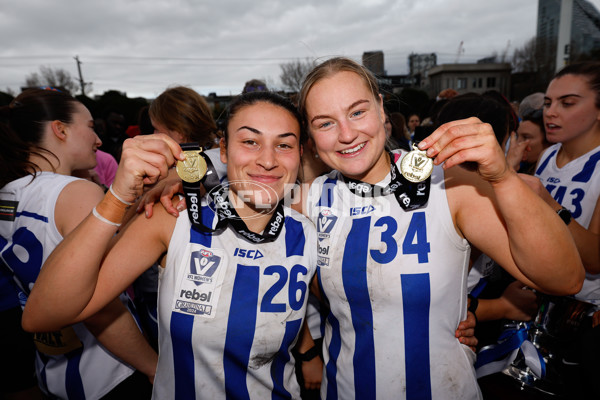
{"points": [[418, 161], [325, 224], [203, 265]]}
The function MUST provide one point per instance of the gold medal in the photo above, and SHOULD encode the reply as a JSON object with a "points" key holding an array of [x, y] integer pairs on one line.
{"points": [[416, 166], [193, 168]]}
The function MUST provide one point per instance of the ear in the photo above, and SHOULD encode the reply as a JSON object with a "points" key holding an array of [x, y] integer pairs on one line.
{"points": [[223, 148], [59, 129]]}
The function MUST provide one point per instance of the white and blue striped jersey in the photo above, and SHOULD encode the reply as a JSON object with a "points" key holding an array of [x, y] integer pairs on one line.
{"points": [[395, 282], [75, 365], [575, 186], [230, 311]]}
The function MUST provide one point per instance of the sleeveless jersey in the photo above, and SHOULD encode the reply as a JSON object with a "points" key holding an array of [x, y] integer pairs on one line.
{"points": [[73, 365], [229, 311], [395, 281], [575, 186]]}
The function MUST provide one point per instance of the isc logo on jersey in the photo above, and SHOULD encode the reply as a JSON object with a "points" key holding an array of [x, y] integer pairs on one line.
{"points": [[244, 253], [325, 223], [203, 264], [553, 180], [361, 210]]}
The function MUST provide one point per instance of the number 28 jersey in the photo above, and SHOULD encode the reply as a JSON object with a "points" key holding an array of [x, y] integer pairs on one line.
{"points": [[395, 282], [229, 311]]}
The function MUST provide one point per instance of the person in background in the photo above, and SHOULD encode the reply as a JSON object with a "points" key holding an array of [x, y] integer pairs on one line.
{"points": [[567, 177], [529, 141], [50, 135], [412, 121]]}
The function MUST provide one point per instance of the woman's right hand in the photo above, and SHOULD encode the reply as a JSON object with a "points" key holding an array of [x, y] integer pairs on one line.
{"points": [[145, 160]]}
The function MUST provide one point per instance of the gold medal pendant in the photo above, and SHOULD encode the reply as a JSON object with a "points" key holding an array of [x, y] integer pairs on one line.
{"points": [[416, 166], [193, 168]]}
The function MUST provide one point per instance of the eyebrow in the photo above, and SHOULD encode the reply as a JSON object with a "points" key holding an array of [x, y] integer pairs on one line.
{"points": [[256, 131], [563, 96], [351, 106]]}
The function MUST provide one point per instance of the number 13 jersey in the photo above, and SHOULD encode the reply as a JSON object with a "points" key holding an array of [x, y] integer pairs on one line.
{"points": [[395, 282]]}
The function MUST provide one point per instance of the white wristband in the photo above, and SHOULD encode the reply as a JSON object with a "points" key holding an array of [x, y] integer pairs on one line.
{"points": [[127, 203], [101, 218]]}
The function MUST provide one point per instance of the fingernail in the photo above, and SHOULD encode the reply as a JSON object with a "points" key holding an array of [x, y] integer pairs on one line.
{"points": [[180, 207], [146, 214], [421, 144], [429, 152]]}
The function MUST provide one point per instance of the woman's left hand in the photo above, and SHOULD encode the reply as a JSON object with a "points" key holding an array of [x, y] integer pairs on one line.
{"points": [[464, 142]]}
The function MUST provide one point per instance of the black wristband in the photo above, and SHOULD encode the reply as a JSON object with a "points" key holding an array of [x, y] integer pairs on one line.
{"points": [[309, 354], [565, 215], [473, 304]]}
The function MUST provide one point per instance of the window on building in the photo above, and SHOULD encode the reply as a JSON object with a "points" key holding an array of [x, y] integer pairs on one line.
{"points": [[461, 83], [491, 81]]}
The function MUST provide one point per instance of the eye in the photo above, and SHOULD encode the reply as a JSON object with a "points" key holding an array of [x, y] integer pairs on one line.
{"points": [[324, 125], [357, 113], [249, 142]]}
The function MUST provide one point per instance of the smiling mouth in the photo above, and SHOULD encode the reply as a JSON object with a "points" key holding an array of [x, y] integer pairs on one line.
{"points": [[354, 149]]}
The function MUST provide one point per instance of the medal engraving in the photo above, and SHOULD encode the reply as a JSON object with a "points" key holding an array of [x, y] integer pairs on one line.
{"points": [[416, 166], [193, 168]]}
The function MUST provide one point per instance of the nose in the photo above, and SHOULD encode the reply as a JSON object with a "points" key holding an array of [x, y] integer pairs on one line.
{"points": [[267, 158], [347, 134], [98, 141], [550, 110]]}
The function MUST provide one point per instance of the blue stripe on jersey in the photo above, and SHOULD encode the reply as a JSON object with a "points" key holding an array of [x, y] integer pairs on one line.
{"points": [[588, 169], [73, 382], [240, 331], [32, 215], [544, 163], [294, 238], [281, 359], [326, 199], [354, 277], [334, 348], [182, 326], [416, 299]]}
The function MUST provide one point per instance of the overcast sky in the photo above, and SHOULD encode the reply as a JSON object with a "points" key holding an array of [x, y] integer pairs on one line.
{"points": [[141, 47]]}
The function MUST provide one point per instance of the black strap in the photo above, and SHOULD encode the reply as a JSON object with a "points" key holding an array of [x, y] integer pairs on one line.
{"points": [[226, 213], [309, 354], [410, 195]]}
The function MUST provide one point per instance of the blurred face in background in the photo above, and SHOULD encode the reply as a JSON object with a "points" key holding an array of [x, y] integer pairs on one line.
{"points": [[413, 122]]}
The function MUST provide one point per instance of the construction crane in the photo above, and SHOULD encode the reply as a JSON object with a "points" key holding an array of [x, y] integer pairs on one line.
{"points": [[459, 52], [505, 53]]}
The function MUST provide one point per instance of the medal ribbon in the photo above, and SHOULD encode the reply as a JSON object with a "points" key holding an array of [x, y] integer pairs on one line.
{"points": [[410, 195], [226, 213]]}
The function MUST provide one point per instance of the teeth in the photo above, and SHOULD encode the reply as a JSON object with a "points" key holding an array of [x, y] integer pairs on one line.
{"points": [[353, 150]]}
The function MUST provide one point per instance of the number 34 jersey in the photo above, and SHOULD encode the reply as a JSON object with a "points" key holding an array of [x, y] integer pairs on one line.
{"points": [[230, 311], [395, 281]]}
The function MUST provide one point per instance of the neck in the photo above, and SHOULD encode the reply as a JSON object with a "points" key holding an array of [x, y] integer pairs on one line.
{"points": [[578, 146], [378, 171], [256, 220], [49, 163]]}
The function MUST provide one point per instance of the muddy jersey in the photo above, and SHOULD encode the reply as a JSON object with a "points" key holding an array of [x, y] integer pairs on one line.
{"points": [[395, 282], [229, 311], [70, 363], [575, 186]]}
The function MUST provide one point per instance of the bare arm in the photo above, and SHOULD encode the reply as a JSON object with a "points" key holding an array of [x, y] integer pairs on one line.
{"points": [[497, 212], [587, 240], [116, 330], [57, 300]]}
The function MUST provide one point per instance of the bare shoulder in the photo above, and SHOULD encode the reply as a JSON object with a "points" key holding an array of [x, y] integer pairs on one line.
{"points": [[74, 203]]}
